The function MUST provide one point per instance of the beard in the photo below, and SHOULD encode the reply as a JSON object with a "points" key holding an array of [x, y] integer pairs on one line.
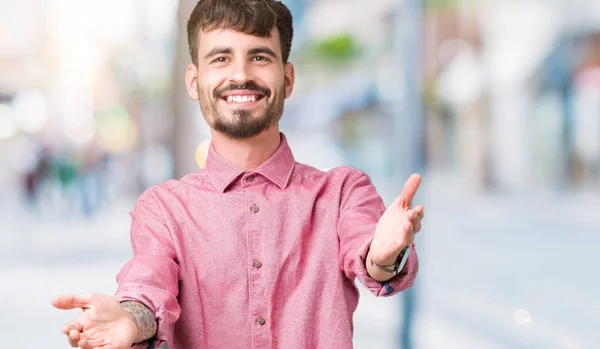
{"points": [[243, 123]]}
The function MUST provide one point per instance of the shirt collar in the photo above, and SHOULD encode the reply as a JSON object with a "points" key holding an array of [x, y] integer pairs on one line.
{"points": [[278, 168]]}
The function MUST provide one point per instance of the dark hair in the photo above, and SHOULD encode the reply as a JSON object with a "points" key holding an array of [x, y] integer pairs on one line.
{"points": [[257, 17]]}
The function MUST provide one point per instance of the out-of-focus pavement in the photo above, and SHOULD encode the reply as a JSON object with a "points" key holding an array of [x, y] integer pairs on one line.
{"points": [[483, 258]]}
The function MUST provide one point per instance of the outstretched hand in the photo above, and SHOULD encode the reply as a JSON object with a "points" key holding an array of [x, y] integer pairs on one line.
{"points": [[103, 324], [398, 225]]}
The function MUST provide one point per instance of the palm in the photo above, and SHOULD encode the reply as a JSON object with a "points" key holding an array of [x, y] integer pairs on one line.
{"points": [[103, 323], [397, 226]]}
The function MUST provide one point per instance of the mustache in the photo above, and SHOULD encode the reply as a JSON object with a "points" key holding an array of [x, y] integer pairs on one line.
{"points": [[251, 86]]}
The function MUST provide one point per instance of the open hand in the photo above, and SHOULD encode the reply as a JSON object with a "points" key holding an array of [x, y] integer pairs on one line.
{"points": [[397, 227], [103, 324]]}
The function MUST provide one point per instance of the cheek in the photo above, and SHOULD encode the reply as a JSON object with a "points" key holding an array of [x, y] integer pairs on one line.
{"points": [[272, 77], [208, 81], [206, 91]]}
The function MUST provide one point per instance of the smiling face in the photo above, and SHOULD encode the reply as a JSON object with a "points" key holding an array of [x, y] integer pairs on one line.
{"points": [[241, 81]]}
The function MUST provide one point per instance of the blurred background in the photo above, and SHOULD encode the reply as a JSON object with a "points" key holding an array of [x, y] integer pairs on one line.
{"points": [[495, 102]]}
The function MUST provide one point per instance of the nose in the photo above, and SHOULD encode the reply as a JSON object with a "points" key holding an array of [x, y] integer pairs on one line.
{"points": [[241, 73]]}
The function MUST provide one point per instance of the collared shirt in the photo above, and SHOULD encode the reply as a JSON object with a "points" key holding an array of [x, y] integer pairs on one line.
{"points": [[227, 258]]}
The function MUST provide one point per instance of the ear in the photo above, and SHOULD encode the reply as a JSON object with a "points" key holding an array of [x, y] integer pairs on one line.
{"points": [[191, 81], [290, 77]]}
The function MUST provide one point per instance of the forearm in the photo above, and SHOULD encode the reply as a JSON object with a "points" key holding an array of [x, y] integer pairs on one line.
{"points": [[143, 318]]}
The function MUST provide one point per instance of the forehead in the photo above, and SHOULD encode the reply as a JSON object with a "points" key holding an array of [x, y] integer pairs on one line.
{"points": [[236, 40]]}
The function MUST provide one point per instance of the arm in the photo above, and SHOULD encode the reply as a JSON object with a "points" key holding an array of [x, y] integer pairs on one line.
{"points": [[395, 233], [143, 318], [145, 305], [361, 209], [152, 277]]}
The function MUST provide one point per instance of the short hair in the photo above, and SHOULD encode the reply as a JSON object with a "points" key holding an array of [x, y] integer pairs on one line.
{"points": [[257, 17]]}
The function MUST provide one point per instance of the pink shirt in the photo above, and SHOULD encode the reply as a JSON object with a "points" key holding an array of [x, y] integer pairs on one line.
{"points": [[227, 258]]}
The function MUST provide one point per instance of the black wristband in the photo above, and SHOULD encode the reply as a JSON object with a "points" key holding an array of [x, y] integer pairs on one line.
{"points": [[398, 265]]}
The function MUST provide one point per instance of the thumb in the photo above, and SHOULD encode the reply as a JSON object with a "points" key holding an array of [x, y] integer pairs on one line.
{"points": [[66, 302], [409, 190]]}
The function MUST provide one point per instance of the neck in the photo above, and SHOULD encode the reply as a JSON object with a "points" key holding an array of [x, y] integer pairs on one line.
{"points": [[249, 153]]}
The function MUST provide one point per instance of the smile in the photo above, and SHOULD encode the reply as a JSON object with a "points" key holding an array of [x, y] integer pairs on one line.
{"points": [[242, 98]]}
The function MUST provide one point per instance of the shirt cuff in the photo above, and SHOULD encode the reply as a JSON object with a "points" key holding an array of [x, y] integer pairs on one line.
{"points": [[398, 283]]}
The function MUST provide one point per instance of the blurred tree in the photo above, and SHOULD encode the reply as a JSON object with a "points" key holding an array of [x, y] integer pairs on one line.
{"points": [[339, 47], [442, 4]]}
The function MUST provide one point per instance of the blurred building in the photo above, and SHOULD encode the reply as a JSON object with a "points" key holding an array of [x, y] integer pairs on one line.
{"points": [[499, 78], [77, 76]]}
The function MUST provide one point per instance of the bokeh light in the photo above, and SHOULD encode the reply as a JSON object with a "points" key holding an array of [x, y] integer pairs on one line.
{"points": [[202, 153], [31, 111], [8, 126], [522, 317]]}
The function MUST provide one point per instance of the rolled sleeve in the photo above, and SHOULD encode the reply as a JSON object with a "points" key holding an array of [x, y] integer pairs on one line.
{"points": [[151, 277], [360, 209], [398, 283]]}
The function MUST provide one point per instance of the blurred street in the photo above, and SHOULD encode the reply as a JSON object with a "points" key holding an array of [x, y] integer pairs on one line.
{"points": [[483, 258], [496, 103]]}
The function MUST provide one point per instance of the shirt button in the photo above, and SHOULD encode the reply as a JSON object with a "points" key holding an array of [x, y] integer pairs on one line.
{"points": [[261, 321], [257, 264], [250, 179], [254, 208]]}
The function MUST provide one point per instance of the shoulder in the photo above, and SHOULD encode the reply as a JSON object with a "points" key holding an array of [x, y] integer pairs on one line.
{"points": [[172, 186], [341, 175]]}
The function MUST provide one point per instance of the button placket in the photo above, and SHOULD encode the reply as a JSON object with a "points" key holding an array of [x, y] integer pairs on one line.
{"points": [[256, 272]]}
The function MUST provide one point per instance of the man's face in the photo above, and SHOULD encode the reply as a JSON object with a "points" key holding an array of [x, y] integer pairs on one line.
{"points": [[241, 81]]}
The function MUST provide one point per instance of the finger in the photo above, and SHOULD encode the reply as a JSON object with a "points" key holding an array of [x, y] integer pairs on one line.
{"points": [[72, 301], [414, 216], [408, 227], [417, 226], [420, 209], [83, 344], [409, 190], [75, 325], [411, 215], [74, 337]]}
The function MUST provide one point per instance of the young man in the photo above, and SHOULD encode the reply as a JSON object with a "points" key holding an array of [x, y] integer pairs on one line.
{"points": [[256, 250]]}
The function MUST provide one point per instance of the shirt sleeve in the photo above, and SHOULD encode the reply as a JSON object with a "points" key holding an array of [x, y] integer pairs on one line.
{"points": [[151, 277], [360, 210]]}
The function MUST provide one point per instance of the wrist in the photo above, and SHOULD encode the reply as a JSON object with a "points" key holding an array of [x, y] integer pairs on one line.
{"points": [[133, 328], [142, 321], [394, 266]]}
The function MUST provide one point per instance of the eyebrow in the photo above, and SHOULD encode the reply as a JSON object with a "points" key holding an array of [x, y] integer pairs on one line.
{"points": [[264, 50], [218, 51], [228, 50]]}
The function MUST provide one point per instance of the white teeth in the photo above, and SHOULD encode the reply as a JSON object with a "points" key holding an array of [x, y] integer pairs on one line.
{"points": [[241, 99]]}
